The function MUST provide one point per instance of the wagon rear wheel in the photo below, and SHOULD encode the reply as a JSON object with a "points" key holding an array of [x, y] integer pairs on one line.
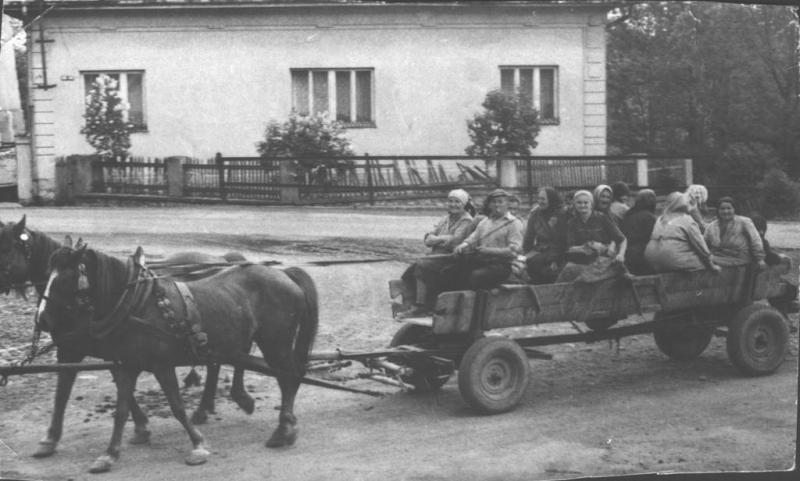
{"points": [[428, 375], [758, 340], [493, 374], [680, 339]]}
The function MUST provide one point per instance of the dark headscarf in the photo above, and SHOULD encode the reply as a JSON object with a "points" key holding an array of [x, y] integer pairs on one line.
{"points": [[645, 201], [619, 190], [554, 201]]}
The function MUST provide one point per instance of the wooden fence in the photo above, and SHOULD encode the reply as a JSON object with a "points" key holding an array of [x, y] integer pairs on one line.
{"points": [[361, 179]]}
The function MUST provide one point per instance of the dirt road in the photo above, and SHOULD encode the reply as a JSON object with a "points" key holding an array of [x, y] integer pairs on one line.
{"points": [[595, 409]]}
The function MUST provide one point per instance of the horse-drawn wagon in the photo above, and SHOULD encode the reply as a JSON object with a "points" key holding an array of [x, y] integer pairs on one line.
{"points": [[746, 304]]}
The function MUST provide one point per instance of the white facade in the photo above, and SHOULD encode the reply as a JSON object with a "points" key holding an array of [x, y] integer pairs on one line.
{"points": [[213, 77]]}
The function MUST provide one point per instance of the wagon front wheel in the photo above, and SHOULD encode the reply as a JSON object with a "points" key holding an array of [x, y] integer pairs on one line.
{"points": [[493, 375], [758, 340], [428, 375], [680, 339]]}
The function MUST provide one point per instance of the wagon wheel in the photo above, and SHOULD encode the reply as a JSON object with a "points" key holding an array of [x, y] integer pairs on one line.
{"points": [[758, 340], [600, 324], [493, 374], [680, 339], [428, 376]]}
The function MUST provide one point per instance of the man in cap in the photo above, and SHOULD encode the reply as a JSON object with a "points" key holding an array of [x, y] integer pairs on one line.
{"points": [[495, 243]]}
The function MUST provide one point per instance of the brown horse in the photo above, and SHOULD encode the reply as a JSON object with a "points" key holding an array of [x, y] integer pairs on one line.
{"points": [[89, 292], [24, 255]]}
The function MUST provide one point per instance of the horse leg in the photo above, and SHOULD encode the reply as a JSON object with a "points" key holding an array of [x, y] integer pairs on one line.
{"points": [[240, 394], [286, 432], [169, 384], [200, 415], [126, 382], [141, 435], [66, 379]]}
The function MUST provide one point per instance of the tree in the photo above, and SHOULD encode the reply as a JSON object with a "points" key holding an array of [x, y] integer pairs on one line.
{"points": [[106, 128], [312, 140], [508, 126]]}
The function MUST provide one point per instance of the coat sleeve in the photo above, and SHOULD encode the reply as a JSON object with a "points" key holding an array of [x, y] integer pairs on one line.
{"points": [[756, 246], [460, 232], [696, 239], [530, 233]]}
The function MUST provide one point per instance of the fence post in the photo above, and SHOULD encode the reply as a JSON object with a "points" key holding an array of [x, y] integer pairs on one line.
{"points": [[221, 173], [529, 175], [507, 172], [173, 171], [642, 179], [370, 184], [688, 169], [286, 176]]}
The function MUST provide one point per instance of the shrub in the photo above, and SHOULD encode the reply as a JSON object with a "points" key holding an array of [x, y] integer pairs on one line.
{"points": [[106, 129], [508, 126], [778, 195], [310, 139]]}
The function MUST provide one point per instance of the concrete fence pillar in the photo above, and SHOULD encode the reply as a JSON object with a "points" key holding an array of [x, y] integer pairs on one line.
{"points": [[642, 173], [87, 174], [24, 169], [173, 168], [507, 173], [290, 191], [688, 169]]}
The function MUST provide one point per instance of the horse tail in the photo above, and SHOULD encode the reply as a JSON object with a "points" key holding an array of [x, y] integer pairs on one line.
{"points": [[309, 323]]}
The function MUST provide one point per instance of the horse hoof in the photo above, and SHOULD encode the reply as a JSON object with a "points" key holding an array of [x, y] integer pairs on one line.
{"points": [[282, 437], [245, 402], [46, 448], [102, 464], [197, 456], [140, 437], [199, 417]]}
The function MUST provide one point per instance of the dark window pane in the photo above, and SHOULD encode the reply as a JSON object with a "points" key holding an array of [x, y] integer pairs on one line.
{"points": [[135, 99], [547, 93], [526, 84], [300, 91], [364, 96], [343, 96], [320, 92], [507, 80]]}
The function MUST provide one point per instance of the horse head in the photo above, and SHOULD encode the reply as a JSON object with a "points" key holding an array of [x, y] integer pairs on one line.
{"points": [[67, 298], [15, 254]]}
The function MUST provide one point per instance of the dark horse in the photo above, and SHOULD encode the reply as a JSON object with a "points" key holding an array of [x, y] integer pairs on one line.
{"points": [[24, 256], [238, 306]]}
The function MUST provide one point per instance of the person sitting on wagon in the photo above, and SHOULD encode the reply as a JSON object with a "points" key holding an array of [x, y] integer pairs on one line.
{"points": [[676, 243], [429, 277], [603, 196], [733, 239], [619, 205], [637, 226], [497, 241], [698, 196], [591, 239], [544, 241], [771, 257]]}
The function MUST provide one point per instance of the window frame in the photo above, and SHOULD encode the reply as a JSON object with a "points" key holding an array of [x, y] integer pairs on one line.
{"points": [[332, 93], [536, 88], [123, 89]]}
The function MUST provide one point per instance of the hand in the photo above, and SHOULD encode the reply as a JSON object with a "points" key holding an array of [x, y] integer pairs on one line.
{"points": [[762, 265], [620, 258], [461, 249], [714, 268]]}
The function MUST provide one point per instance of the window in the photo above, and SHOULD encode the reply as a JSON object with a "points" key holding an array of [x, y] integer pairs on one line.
{"points": [[538, 84], [131, 88], [345, 93]]}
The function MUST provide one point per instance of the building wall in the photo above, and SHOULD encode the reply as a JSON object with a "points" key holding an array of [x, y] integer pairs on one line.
{"points": [[213, 78]]}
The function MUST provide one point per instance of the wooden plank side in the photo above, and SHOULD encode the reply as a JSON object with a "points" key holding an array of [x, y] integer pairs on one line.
{"points": [[453, 312]]}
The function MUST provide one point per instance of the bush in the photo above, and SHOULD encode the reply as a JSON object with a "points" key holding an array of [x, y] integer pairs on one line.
{"points": [[310, 139], [778, 195], [106, 129], [509, 125]]}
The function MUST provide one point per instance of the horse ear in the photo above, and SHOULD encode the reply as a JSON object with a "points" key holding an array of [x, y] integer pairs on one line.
{"points": [[19, 227], [68, 241], [138, 257], [80, 245]]}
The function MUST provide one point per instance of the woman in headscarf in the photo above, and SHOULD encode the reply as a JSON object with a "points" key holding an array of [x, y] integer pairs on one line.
{"points": [[544, 241], [591, 240], [603, 197], [677, 243], [698, 196], [733, 239], [637, 226], [428, 277]]}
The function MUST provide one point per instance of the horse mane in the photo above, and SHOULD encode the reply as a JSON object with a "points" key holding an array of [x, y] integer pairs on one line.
{"points": [[108, 277], [42, 247]]}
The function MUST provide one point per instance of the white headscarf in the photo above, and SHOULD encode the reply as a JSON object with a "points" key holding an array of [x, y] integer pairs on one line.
{"points": [[459, 194], [698, 192]]}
